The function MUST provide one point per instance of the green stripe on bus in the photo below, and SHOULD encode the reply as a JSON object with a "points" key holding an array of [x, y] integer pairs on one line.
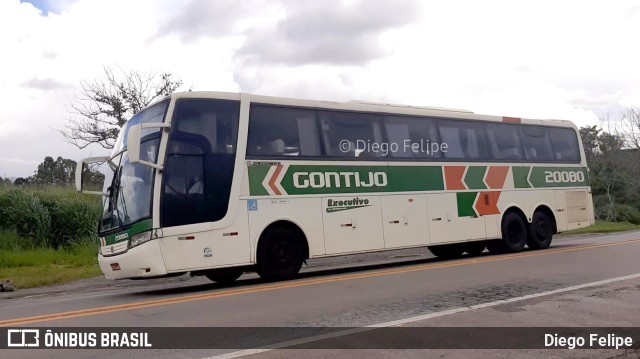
{"points": [[256, 176], [336, 179], [342, 179], [415, 178], [475, 177], [332, 179], [136, 228], [465, 203], [542, 177], [520, 174]]}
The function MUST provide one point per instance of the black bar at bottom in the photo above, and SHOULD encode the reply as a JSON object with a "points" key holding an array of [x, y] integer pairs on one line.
{"points": [[322, 338]]}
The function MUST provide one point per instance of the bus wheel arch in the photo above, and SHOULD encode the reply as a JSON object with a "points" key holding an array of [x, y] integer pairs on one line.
{"points": [[282, 248], [447, 251], [542, 228], [224, 276], [515, 231]]}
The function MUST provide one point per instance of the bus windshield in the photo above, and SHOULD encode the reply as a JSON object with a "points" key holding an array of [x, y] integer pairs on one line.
{"points": [[129, 193]]}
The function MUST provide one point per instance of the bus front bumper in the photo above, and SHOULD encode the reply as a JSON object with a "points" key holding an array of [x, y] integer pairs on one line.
{"points": [[141, 261]]}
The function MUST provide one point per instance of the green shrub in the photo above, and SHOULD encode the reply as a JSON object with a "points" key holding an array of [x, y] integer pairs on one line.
{"points": [[627, 213], [601, 208], [50, 216], [23, 212], [74, 220], [618, 212], [5, 203], [11, 241]]}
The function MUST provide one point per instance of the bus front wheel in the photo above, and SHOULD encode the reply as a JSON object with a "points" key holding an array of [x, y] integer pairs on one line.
{"points": [[514, 235], [280, 254]]}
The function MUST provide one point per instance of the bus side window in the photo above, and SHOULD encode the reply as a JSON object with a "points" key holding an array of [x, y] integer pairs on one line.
{"points": [[278, 131], [504, 142], [565, 144], [348, 134], [537, 146], [412, 136], [464, 140]]}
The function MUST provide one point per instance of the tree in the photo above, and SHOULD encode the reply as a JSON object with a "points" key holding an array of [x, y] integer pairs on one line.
{"points": [[589, 135], [62, 172], [610, 170], [5, 182], [58, 172], [105, 105], [614, 162], [629, 124], [20, 181]]}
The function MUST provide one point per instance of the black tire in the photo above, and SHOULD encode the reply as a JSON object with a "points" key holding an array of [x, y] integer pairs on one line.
{"points": [[280, 254], [540, 231], [514, 235], [447, 251], [224, 275], [474, 248]]}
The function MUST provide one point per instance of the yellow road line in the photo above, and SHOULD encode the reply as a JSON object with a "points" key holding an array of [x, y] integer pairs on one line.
{"points": [[292, 284]]}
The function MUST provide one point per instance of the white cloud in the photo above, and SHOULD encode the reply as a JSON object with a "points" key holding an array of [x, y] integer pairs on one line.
{"points": [[44, 84], [9, 129], [573, 60], [323, 33]]}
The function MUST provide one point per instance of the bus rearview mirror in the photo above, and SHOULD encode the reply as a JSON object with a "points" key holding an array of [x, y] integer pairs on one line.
{"points": [[134, 137], [133, 143], [81, 175]]}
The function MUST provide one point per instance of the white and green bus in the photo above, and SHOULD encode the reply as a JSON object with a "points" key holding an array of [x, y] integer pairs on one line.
{"points": [[218, 184]]}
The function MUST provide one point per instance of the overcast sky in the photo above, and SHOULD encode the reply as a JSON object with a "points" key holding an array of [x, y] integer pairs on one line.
{"points": [[574, 60]]}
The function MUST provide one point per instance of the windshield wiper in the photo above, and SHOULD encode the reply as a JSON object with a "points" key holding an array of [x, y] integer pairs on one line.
{"points": [[127, 219], [113, 199]]}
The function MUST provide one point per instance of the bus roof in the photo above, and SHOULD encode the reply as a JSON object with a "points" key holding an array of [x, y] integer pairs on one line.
{"points": [[367, 106]]}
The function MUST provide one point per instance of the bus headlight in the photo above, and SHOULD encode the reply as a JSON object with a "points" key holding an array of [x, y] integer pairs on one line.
{"points": [[140, 238]]}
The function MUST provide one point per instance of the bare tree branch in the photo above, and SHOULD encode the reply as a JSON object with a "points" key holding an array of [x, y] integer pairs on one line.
{"points": [[105, 105]]}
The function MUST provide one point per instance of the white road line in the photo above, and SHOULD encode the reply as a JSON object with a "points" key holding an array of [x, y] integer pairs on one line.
{"points": [[242, 353]]}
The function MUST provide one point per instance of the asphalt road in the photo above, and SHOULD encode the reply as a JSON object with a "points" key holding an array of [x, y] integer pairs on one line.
{"points": [[554, 287]]}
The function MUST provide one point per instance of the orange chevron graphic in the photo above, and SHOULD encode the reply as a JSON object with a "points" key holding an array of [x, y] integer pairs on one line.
{"points": [[453, 177], [272, 181], [496, 175], [487, 203]]}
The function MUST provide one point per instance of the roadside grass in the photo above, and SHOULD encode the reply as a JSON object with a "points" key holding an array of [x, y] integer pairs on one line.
{"points": [[49, 216], [47, 235], [30, 266], [605, 227]]}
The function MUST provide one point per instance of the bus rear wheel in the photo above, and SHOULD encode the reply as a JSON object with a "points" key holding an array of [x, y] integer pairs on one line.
{"points": [[280, 254], [540, 231], [447, 251], [224, 275], [514, 235]]}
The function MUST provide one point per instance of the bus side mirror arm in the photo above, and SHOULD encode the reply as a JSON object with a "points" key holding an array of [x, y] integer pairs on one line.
{"points": [[134, 137]]}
